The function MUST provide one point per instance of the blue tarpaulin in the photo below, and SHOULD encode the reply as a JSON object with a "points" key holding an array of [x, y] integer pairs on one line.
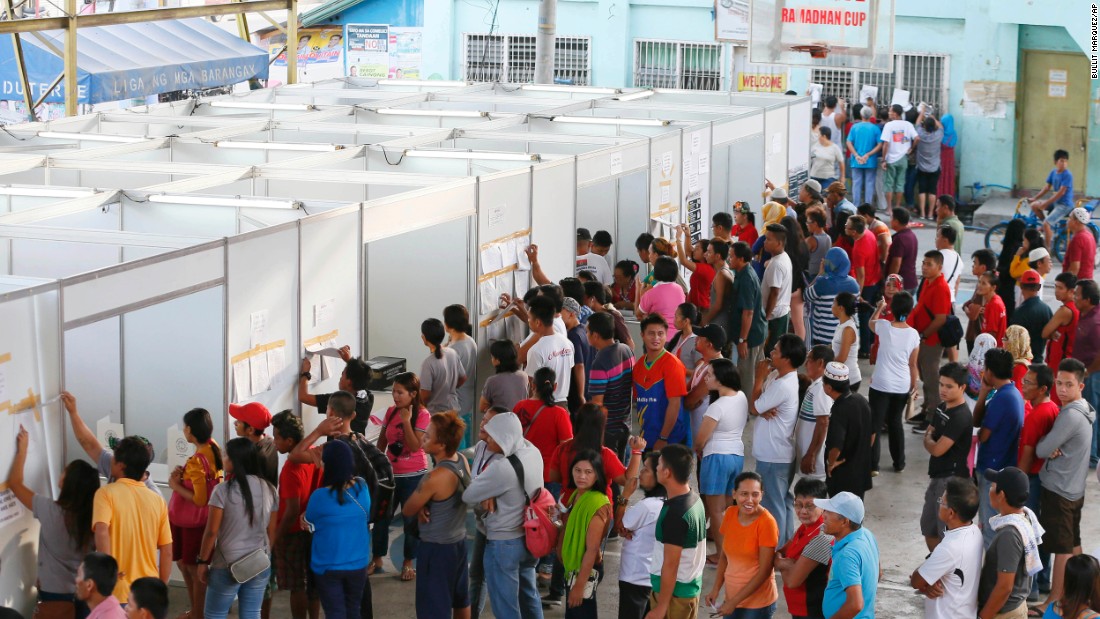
{"points": [[134, 60]]}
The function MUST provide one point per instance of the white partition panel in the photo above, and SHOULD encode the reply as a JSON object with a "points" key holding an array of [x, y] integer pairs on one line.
{"points": [[744, 178], [422, 208], [597, 206], [632, 215], [665, 180], [179, 219], [171, 363], [553, 215], [330, 282], [607, 163], [93, 374], [262, 314], [798, 159], [56, 259], [777, 143]]}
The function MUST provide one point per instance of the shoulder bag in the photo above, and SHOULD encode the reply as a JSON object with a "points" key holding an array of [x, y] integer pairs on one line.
{"points": [[185, 513], [252, 564]]}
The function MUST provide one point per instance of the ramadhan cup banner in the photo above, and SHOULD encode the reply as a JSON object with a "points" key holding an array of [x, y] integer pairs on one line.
{"points": [[823, 33]]}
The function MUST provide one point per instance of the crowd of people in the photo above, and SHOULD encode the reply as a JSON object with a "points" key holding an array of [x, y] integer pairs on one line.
{"points": [[582, 436]]}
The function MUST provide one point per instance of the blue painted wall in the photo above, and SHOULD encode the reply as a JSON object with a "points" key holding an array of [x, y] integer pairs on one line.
{"points": [[401, 13], [983, 39]]}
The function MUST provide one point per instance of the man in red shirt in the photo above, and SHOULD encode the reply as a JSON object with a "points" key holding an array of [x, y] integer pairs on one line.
{"points": [[1061, 330], [1081, 251], [292, 543], [933, 306], [1039, 415], [867, 269]]}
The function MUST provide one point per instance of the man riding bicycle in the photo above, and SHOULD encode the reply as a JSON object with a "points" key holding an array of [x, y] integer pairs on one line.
{"points": [[1060, 203]]}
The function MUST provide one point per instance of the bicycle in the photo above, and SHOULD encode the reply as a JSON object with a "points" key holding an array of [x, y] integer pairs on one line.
{"points": [[994, 237]]}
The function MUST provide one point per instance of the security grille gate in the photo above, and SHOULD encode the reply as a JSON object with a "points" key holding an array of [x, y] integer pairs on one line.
{"points": [[675, 64], [925, 76], [511, 58]]}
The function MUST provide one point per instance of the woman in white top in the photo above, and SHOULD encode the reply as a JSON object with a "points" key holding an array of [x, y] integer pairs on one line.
{"points": [[894, 377], [719, 442], [846, 336], [637, 525], [826, 159]]}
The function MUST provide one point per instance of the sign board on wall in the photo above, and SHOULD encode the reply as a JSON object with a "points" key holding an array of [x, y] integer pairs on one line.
{"points": [[762, 82], [731, 20], [383, 51], [823, 33], [315, 46]]}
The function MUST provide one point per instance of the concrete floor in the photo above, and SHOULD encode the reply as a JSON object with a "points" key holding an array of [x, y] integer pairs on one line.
{"points": [[893, 510]]}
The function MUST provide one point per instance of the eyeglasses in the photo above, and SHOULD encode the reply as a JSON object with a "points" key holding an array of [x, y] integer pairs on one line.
{"points": [[1029, 383], [798, 507]]}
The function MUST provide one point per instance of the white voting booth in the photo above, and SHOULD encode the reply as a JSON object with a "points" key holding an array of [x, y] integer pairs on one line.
{"points": [[187, 254]]}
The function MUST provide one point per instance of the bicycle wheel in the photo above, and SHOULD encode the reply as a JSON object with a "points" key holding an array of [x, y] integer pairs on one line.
{"points": [[995, 236], [1060, 243]]}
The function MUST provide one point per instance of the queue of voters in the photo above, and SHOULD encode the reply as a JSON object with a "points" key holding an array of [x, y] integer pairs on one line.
{"points": [[741, 433]]}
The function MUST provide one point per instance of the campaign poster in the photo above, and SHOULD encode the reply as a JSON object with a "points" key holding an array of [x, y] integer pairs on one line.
{"points": [[368, 50], [406, 52], [315, 46]]}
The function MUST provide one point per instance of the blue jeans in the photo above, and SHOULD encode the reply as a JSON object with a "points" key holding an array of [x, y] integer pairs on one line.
{"points": [[765, 612], [863, 185], [221, 590], [477, 576], [871, 294], [985, 510], [1092, 396], [380, 535], [510, 579], [341, 592], [776, 489]]}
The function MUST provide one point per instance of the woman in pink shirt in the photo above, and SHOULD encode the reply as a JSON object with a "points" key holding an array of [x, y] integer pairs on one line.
{"points": [[664, 297]]}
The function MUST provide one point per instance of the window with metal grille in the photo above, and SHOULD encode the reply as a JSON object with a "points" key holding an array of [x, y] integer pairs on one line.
{"points": [[925, 76], [676, 64], [511, 58]]}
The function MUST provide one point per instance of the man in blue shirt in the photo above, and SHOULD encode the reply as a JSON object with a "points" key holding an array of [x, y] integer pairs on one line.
{"points": [[854, 575], [1060, 186], [1000, 419], [864, 145]]}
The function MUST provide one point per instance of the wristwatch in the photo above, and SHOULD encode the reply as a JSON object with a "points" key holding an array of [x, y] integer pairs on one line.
{"points": [[740, 340], [306, 375], [200, 561]]}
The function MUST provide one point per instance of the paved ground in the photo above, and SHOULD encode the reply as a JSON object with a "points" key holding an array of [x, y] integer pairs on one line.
{"points": [[893, 510]]}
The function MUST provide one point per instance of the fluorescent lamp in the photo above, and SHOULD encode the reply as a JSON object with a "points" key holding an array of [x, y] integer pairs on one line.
{"points": [[588, 90], [321, 148], [634, 96], [246, 105], [197, 200], [91, 137], [458, 154], [419, 112], [444, 83], [45, 192], [599, 120]]}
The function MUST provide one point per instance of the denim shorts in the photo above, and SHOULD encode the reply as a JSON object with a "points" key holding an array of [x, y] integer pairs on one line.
{"points": [[1058, 213], [719, 471]]}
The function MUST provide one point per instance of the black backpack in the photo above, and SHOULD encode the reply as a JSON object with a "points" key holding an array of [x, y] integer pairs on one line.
{"points": [[375, 469]]}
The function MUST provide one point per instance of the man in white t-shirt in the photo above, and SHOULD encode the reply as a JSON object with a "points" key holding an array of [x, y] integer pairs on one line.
{"points": [[900, 137], [952, 261], [589, 261], [774, 403], [776, 287], [813, 416], [551, 350], [949, 577]]}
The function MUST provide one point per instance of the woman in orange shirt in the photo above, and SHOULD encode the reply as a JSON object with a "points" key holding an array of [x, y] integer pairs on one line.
{"points": [[746, 556]]}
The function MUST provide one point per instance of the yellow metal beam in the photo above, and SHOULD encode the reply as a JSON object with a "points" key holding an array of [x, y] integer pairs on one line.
{"points": [[133, 17], [292, 42], [71, 96]]}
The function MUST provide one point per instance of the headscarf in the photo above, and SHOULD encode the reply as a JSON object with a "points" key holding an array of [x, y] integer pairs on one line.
{"points": [[837, 267], [773, 213], [976, 364], [950, 137], [1018, 342]]}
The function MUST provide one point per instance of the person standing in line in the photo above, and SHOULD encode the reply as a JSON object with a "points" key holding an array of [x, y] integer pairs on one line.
{"points": [[899, 138], [702, 273], [866, 268], [933, 306], [744, 229], [251, 419], [456, 320], [721, 225], [902, 255], [1006, 282], [1039, 418], [746, 555], [1033, 314], [1063, 476], [947, 441], [930, 138], [854, 574], [721, 308], [483, 457], [242, 521], [946, 216], [638, 527], [846, 337], [776, 287], [96, 577], [952, 261], [804, 561], [1014, 551], [148, 599], [509, 385], [948, 578], [582, 353], [986, 311], [683, 345], [680, 549], [596, 297], [709, 343], [65, 528], [774, 403], [611, 381], [848, 441], [999, 414], [551, 349], [292, 544], [748, 325], [442, 373], [864, 145], [659, 389], [1082, 582], [586, 525], [589, 261], [813, 417], [337, 514], [818, 243], [355, 379], [981, 262], [826, 158], [719, 444], [1062, 328], [1018, 343], [1080, 257], [601, 243], [832, 114], [664, 296], [834, 279], [100, 455], [894, 377], [1086, 349], [444, 584], [623, 287], [500, 492]]}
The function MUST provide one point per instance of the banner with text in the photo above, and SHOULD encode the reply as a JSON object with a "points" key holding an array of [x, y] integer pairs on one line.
{"points": [[823, 33]]}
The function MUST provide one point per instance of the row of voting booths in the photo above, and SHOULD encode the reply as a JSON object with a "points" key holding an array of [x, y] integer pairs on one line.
{"points": [[187, 254]]}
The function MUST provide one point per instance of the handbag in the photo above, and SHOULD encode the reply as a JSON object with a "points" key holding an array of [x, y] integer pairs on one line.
{"points": [[54, 609], [184, 513], [250, 566]]}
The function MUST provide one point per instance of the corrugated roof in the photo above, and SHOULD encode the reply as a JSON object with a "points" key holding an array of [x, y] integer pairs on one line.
{"points": [[325, 11]]}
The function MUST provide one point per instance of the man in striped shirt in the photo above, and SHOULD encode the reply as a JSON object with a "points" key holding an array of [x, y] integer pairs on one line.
{"points": [[610, 381]]}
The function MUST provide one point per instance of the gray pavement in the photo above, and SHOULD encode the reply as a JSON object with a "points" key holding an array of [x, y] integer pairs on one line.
{"points": [[893, 509]]}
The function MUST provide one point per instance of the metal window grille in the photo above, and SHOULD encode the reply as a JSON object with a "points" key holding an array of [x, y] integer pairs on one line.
{"points": [[925, 76], [511, 58], [676, 64]]}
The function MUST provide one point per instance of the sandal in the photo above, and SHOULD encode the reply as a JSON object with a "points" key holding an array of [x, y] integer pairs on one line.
{"points": [[408, 573], [1036, 611], [375, 568]]}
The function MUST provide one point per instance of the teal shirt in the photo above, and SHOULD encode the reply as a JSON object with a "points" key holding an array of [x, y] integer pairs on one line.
{"points": [[855, 562], [746, 295]]}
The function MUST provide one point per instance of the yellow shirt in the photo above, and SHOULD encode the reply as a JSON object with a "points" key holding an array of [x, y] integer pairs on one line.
{"points": [[194, 472], [138, 522]]}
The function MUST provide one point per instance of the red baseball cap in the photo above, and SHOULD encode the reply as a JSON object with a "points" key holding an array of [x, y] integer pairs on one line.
{"points": [[1031, 276], [252, 413]]}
